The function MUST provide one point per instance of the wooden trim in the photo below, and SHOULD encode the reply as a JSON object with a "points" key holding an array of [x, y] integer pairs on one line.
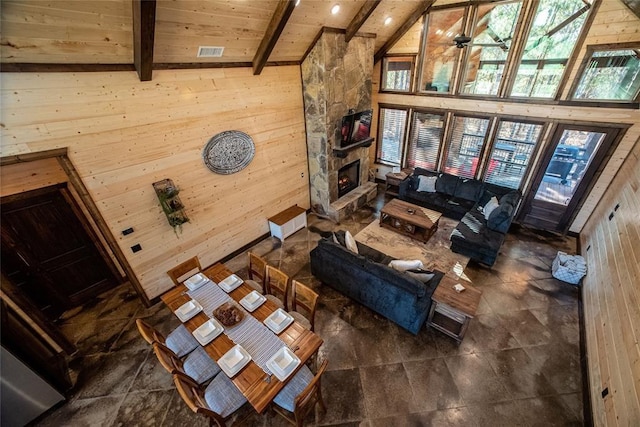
{"points": [[27, 67], [274, 30], [589, 51], [361, 17], [577, 48], [422, 8], [201, 65], [83, 193], [144, 24], [29, 157]]}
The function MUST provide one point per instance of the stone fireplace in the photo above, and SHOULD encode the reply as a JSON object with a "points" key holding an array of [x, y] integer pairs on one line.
{"points": [[348, 178], [336, 78]]}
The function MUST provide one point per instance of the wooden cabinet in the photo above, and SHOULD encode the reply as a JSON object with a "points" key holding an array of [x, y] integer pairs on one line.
{"points": [[288, 222]]}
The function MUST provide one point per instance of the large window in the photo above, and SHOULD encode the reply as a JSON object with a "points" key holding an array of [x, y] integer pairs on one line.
{"points": [[556, 27], [511, 152], [391, 135], [465, 146], [492, 39], [397, 73], [441, 55], [425, 140], [610, 74]]}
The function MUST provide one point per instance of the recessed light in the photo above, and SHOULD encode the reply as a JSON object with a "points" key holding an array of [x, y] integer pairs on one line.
{"points": [[297, 2], [387, 20], [335, 9]]}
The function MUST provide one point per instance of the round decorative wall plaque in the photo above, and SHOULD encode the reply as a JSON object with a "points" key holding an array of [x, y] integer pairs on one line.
{"points": [[228, 152]]}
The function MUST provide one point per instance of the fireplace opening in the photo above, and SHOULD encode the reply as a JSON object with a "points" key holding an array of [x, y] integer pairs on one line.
{"points": [[348, 178]]}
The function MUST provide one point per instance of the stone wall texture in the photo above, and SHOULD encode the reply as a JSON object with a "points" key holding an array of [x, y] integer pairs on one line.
{"points": [[336, 77]]}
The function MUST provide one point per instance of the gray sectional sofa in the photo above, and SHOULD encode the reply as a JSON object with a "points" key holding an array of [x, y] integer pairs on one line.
{"points": [[366, 277], [459, 198]]}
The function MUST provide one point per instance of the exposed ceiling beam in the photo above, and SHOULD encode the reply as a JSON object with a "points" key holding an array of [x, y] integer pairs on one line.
{"points": [[360, 18], [422, 8], [278, 21], [144, 26]]}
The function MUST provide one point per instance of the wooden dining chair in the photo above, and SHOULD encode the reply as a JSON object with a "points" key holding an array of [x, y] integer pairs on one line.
{"points": [[180, 341], [192, 265], [276, 286], [257, 266], [198, 365], [300, 395], [303, 304], [218, 402]]}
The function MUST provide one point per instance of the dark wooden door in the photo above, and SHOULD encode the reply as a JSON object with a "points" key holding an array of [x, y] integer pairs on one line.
{"points": [[566, 173], [49, 251]]}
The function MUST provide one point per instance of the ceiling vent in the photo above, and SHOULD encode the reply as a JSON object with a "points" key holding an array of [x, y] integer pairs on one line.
{"points": [[210, 51]]}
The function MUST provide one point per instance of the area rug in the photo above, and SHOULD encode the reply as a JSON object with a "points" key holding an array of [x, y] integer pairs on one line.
{"points": [[434, 254]]}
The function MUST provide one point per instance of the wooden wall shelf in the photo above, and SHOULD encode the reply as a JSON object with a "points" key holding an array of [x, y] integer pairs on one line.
{"points": [[171, 204], [343, 151]]}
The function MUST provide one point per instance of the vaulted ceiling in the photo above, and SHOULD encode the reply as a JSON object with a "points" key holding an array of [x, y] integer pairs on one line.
{"points": [[168, 33]]}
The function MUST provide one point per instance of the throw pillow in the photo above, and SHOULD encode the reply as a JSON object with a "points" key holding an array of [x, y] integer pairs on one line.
{"points": [[500, 218], [350, 242], [427, 183], [404, 265], [447, 184], [335, 238], [421, 275], [490, 207]]}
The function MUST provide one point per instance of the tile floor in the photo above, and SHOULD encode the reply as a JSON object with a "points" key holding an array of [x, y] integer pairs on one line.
{"points": [[519, 363]]}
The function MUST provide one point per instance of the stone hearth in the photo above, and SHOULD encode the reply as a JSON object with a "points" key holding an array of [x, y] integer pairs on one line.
{"points": [[336, 78]]}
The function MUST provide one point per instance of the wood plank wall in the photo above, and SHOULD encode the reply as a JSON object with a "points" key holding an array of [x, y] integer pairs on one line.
{"points": [[122, 135], [611, 297]]}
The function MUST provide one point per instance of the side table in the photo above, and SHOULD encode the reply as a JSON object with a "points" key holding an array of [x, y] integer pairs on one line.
{"points": [[393, 180], [452, 311], [287, 222]]}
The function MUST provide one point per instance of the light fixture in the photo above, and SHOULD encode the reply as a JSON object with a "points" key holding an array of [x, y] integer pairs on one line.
{"points": [[439, 31], [387, 20], [461, 41], [297, 2], [335, 9]]}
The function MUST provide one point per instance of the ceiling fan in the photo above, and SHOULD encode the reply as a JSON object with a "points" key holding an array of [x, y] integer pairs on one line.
{"points": [[461, 41]]}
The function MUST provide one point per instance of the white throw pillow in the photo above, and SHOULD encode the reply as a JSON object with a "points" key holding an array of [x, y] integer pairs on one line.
{"points": [[427, 183], [350, 242], [491, 205], [409, 264]]}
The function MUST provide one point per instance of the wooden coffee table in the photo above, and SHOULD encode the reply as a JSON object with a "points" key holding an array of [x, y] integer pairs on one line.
{"points": [[411, 220]]}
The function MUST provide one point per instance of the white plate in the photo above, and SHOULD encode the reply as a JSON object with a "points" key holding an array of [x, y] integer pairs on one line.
{"points": [[230, 283], [208, 331], [195, 281], [278, 320], [187, 310], [283, 363], [234, 360], [253, 300]]}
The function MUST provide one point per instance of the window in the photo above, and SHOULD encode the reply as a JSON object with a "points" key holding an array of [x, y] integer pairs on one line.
{"points": [[465, 146], [425, 140], [493, 36], [397, 73], [511, 152], [441, 55], [556, 27], [391, 135], [611, 75]]}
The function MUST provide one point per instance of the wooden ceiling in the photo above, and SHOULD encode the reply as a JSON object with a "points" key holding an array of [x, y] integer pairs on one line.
{"points": [[81, 32]]}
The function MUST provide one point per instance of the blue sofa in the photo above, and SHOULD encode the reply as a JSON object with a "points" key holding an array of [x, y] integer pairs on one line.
{"points": [[464, 199], [366, 278]]}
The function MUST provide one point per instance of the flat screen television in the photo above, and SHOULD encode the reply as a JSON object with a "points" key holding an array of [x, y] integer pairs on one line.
{"points": [[355, 127]]}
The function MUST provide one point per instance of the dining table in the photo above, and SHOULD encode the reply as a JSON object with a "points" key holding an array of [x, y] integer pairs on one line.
{"points": [[258, 387]]}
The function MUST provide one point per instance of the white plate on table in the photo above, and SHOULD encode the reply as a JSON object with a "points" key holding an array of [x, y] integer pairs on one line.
{"points": [[187, 310], [283, 363], [253, 300], [278, 320], [230, 283], [234, 360], [208, 331], [195, 281]]}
